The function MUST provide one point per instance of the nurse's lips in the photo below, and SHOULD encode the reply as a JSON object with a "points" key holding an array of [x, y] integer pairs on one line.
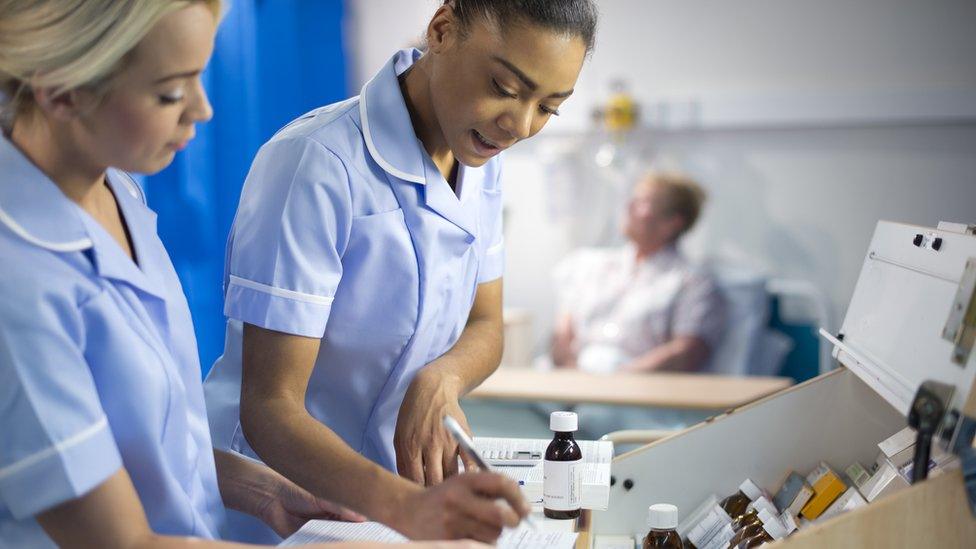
{"points": [[182, 143], [484, 146]]}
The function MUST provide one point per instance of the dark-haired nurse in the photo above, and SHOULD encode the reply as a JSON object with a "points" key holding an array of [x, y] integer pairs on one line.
{"points": [[364, 270]]}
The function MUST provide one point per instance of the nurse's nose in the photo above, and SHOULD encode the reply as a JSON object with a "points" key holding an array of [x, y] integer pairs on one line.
{"points": [[518, 122], [199, 108]]}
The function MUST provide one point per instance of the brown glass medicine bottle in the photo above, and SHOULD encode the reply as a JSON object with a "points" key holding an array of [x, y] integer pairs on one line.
{"points": [[662, 521], [737, 504], [562, 469], [772, 530]]}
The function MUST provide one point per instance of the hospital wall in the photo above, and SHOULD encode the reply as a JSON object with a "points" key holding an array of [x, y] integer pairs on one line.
{"points": [[807, 123]]}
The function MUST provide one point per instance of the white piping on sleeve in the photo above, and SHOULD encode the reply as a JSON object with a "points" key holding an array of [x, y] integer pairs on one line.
{"points": [[496, 248], [58, 448], [279, 292]]}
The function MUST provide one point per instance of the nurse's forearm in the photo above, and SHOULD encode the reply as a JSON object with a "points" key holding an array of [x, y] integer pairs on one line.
{"points": [[244, 485], [311, 455], [473, 358], [275, 422], [111, 515]]}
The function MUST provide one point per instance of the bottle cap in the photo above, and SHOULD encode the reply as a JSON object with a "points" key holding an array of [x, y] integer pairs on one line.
{"points": [[750, 489], [563, 422], [774, 528], [789, 523], [762, 503], [662, 516]]}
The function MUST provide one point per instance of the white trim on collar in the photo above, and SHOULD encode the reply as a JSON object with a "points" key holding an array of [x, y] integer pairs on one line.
{"points": [[372, 147], [74, 246], [130, 185]]}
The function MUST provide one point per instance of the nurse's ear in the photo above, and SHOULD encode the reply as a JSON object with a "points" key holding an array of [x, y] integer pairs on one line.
{"points": [[444, 30], [63, 106]]}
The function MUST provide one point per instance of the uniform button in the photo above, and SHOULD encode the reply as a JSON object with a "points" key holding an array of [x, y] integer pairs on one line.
{"points": [[469, 239]]}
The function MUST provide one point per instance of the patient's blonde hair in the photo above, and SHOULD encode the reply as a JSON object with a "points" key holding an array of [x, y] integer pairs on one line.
{"points": [[682, 196], [69, 44]]}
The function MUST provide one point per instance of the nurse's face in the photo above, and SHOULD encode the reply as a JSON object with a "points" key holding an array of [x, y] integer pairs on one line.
{"points": [[150, 111], [492, 88]]}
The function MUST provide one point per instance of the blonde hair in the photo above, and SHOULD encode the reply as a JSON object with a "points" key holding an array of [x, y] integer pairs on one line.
{"points": [[69, 44], [682, 196]]}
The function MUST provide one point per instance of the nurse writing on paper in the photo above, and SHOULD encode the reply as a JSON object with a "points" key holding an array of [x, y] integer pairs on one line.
{"points": [[363, 278], [103, 434]]}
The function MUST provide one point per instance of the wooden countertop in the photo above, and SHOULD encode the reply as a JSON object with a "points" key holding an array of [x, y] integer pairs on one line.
{"points": [[671, 390]]}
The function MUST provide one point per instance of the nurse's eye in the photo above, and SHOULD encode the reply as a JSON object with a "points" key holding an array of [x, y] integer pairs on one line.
{"points": [[171, 98], [549, 110], [501, 90]]}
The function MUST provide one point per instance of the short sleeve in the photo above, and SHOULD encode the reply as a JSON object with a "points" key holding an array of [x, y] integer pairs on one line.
{"points": [[292, 226], [56, 441], [700, 310], [493, 263]]}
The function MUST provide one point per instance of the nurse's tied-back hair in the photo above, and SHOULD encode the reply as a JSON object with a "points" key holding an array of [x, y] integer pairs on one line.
{"points": [[574, 17]]}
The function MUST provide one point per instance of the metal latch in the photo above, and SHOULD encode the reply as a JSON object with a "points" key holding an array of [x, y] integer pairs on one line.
{"points": [[961, 228], [960, 328]]}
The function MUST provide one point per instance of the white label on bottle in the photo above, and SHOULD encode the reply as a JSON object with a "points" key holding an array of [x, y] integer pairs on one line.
{"points": [[562, 485]]}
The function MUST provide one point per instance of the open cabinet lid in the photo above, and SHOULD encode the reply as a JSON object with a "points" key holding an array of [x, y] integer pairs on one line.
{"points": [[898, 332]]}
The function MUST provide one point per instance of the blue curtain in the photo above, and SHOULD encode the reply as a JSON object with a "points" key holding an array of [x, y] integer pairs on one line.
{"points": [[273, 60]]}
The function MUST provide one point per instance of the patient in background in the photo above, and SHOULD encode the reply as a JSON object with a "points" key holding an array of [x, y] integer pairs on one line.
{"points": [[641, 307]]}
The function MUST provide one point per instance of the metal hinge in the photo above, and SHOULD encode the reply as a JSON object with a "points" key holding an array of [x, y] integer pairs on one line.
{"points": [[960, 327]]}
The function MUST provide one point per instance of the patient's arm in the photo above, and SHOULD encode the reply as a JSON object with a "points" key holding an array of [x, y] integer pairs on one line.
{"points": [[564, 343], [682, 354]]}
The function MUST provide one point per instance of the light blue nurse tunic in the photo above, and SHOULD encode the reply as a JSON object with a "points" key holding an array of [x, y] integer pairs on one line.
{"points": [[98, 363], [346, 231]]}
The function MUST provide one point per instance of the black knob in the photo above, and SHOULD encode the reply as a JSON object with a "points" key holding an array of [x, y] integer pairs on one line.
{"points": [[918, 240], [937, 244], [613, 480], [628, 484]]}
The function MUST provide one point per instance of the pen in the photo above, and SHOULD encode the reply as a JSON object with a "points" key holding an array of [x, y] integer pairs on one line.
{"points": [[467, 445]]}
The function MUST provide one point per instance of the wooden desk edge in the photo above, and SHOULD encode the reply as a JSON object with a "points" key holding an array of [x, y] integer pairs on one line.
{"points": [[769, 385]]}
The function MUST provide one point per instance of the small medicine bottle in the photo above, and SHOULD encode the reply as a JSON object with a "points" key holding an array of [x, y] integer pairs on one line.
{"points": [[737, 504], [753, 527], [772, 530], [662, 521], [751, 516], [562, 469]]}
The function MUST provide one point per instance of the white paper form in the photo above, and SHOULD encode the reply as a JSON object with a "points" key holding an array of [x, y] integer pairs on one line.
{"points": [[324, 531], [597, 456]]}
